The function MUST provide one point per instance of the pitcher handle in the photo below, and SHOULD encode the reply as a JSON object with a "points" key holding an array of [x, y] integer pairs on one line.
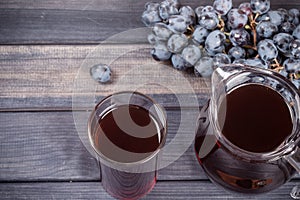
{"points": [[294, 160]]}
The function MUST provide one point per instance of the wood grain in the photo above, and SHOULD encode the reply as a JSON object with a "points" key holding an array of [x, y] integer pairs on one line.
{"points": [[47, 77], [112, 5], [163, 190], [75, 21], [45, 146]]}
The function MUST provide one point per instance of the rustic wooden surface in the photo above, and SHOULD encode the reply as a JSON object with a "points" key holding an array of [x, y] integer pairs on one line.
{"points": [[43, 44]]}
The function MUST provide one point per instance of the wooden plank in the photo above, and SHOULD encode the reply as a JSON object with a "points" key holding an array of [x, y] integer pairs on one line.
{"points": [[162, 190], [111, 5], [75, 21], [63, 26], [47, 77], [43, 146], [46, 146]]}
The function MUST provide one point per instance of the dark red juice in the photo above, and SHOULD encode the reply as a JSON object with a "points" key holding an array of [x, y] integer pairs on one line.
{"points": [[128, 134]]}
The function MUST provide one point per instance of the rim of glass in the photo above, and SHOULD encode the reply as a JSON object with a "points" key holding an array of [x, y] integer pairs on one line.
{"points": [[288, 145], [144, 160]]}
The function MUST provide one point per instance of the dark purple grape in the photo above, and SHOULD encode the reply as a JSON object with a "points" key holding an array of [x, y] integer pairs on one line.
{"points": [[284, 13], [296, 32], [200, 34], [101, 73], [215, 42], [287, 27], [161, 31], [221, 59], [275, 17], [295, 48], [267, 50], [191, 54], [198, 11], [204, 67], [177, 42], [174, 3], [150, 6], [149, 18], [260, 6], [222, 6], [189, 13], [295, 16], [166, 10], [282, 42], [160, 52], [236, 19], [209, 20], [292, 65], [179, 63], [236, 53], [266, 29], [178, 23], [246, 8], [239, 37]]}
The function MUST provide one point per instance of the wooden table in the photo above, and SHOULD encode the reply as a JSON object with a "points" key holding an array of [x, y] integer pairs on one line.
{"points": [[43, 45]]}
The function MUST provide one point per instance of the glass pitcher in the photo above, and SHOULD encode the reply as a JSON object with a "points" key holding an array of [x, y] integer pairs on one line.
{"points": [[230, 164]]}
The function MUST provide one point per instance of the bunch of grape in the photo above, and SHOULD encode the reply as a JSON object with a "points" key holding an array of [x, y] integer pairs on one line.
{"points": [[209, 36]]}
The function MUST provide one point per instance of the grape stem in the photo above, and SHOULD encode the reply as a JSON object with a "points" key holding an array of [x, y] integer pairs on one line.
{"points": [[253, 29], [221, 24]]}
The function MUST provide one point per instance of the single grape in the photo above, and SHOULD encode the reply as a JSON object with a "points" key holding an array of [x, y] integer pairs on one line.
{"points": [[266, 29], [275, 17], [239, 37], [209, 20], [260, 6], [236, 19], [191, 54], [204, 67], [222, 6], [177, 42], [287, 27], [178, 23], [150, 18], [160, 52], [200, 34], [282, 42], [179, 63], [284, 14], [166, 10], [150, 6], [198, 12], [174, 3], [236, 53], [215, 42], [295, 16], [221, 59], [296, 32], [295, 48], [246, 8], [292, 65], [189, 13], [101, 73], [267, 50], [162, 31]]}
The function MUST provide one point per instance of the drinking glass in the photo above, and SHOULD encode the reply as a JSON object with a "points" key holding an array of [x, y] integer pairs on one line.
{"points": [[128, 169]]}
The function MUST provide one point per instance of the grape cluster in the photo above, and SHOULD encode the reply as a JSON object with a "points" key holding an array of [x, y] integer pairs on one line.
{"points": [[209, 36]]}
